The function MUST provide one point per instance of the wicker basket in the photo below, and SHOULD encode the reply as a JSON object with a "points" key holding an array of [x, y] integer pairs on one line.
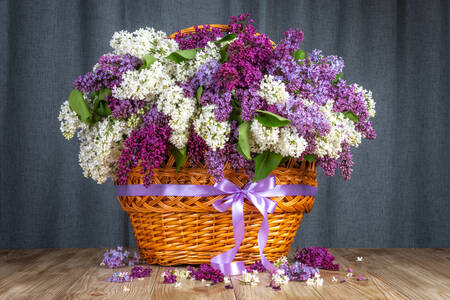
{"points": [[188, 230]]}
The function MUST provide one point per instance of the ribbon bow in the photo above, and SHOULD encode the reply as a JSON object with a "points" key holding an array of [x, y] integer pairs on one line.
{"points": [[254, 192]]}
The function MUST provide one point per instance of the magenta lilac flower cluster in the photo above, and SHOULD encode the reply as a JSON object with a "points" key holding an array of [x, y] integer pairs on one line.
{"points": [[169, 276], [146, 147], [116, 258], [317, 257], [206, 272], [258, 266], [140, 272]]}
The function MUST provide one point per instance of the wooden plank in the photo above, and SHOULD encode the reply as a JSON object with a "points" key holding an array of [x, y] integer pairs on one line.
{"points": [[49, 275], [75, 273], [402, 274], [373, 288], [17, 259], [190, 289], [93, 285]]}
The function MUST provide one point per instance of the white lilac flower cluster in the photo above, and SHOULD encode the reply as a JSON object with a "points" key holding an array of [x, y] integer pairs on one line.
{"points": [[285, 140], [250, 278], [342, 130], [100, 148], [274, 91], [370, 103], [279, 278], [69, 121], [141, 42], [316, 281], [214, 133]]}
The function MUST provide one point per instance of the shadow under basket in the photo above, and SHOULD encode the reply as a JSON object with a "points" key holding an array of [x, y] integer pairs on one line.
{"points": [[188, 230]]}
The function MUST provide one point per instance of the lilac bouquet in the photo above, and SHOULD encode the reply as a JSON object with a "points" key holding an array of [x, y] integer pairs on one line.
{"points": [[211, 98]]}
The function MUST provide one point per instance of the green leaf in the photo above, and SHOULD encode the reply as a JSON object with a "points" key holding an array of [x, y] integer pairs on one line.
{"points": [[310, 157], [269, 119], [182, 55], [227, 38], [299, 54], [224, 55], [351, 116], [265, 163], [149, 60], [338, 76], [77, 104], [102, 93], [236, 115], [243, 140], [101, 108], [199, 94], [180, 156]]}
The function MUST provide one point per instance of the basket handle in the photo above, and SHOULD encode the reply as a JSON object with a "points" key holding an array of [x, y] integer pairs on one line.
{"points": [[222, 27]]}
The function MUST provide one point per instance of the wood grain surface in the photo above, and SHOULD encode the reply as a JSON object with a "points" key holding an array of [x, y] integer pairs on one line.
{"points": [[76, 274]]}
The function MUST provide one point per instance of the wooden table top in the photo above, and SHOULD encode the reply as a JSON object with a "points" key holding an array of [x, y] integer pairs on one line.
{"points": [[76, 274]]}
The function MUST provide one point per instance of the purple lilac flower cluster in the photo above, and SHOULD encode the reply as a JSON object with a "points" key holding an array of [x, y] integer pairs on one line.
{"points": [[317, 257], [206, 272], [107, 74], [119, 277], [116, 258], [298, 271]]}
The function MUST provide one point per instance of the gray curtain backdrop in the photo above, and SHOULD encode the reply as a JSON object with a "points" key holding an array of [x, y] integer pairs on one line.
{"points": [[399, 193]]}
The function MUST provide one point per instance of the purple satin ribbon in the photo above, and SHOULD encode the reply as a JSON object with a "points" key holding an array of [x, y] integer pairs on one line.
{"points": [[256, 193]]}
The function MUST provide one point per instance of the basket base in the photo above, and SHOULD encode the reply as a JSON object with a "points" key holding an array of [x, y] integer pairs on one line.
{"points": [[181, 244]]}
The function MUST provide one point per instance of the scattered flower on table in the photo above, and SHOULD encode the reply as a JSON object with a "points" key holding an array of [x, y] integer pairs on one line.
{"points": [[350, 269], [152, 96], [335, 279], [317, 257], [169, 276], [315, 281], [116, 258], [140, 272], [349, 274], [298, 271], [359, 258], [361, 278], [258, 266], [250, 278], [278, 278], [177, 284], [206, 273], [280, 261], [119, 277], [126, 289], [342, 280]]}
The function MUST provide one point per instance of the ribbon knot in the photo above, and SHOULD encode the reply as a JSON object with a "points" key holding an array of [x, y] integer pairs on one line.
{"points": [[254, 193]]}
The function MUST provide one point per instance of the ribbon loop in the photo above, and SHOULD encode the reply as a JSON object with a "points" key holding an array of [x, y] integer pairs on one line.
{"points": [[224, 261]]}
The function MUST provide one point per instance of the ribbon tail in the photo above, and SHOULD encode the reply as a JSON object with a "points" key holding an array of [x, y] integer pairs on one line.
{"points": [[263, 235], [224, 261]]}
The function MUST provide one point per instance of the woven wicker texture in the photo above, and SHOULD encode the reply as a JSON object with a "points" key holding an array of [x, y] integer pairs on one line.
{"points": [[188, 230]]}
